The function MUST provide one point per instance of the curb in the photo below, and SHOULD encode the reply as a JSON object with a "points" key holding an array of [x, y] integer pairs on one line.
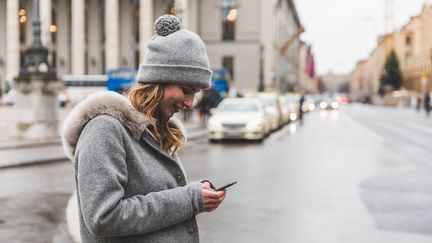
{"points": [[33, 162], [28, 144]]}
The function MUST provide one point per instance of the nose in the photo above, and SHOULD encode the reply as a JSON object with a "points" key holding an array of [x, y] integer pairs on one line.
{"points": [[188, 102]]}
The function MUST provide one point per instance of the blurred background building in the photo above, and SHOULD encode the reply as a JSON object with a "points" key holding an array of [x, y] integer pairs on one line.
{"points": [[257, 41], [413, 46]]}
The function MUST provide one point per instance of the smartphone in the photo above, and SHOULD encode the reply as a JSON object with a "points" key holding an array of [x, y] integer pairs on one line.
{"points": [[225, 186]]}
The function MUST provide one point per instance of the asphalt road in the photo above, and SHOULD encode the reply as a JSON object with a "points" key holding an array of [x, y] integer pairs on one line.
{"points": [[338, 177]]}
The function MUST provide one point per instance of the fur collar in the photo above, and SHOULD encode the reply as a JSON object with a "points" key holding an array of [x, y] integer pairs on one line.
{"points": [[104, 103]]}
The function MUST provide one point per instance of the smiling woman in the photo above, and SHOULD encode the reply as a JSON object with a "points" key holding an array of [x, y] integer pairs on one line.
{"points": [[131, 186]]}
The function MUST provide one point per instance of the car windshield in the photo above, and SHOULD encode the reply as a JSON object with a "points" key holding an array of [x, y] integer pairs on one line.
{"points": [[267, 102], [242, 107]]}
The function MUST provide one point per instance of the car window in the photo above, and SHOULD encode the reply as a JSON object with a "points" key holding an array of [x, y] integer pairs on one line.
{"points": [[245, 107], [267, 102]]}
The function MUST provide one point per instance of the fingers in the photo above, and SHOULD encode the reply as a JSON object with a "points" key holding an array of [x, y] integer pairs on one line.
{"points": [[206, 185], [212, 199]]}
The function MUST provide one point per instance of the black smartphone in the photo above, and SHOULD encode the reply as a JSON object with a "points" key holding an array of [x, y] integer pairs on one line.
{"points": [[225, 186]]}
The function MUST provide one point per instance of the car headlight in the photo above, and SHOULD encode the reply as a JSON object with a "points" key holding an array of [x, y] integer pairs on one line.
{"points": [[311, 107], [335, 105], [255, 124], [323, 105], [293, 116], [214, 124]]}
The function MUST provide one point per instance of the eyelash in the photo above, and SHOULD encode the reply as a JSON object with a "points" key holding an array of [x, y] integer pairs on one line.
{"points": [[187, 91]]}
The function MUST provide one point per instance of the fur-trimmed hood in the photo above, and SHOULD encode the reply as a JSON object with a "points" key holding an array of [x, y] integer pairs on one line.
{"points": [[105, 103]]}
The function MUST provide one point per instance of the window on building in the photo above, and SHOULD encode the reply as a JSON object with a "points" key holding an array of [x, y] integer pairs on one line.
{"points": [[408, 40], [229, 18], [228, 64]]}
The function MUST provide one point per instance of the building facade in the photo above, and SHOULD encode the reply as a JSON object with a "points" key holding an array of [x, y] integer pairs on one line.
{"points": [[83, 36], [413, 47], [307, 81], [365, 78], [94, 36], [246, 38], [415, 51]]}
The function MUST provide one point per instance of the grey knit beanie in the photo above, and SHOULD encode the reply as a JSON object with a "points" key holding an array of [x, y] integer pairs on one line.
{"points": [[175, 55]]}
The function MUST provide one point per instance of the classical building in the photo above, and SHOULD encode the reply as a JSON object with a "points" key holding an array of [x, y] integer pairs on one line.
{"points": [[365, 78], [257, 41], [83, 36]]}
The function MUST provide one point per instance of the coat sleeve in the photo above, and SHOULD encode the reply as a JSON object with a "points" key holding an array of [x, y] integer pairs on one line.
{"points": [[101, 176]]}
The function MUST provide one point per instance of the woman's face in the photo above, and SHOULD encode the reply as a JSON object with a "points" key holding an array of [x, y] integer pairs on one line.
{"points": [[177, 97]]}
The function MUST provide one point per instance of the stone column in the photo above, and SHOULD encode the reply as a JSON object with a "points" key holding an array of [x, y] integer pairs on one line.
{"points": [[182, 12], [146, 25], [78, 37], [3, 41], [46, 20], [112, 34], [94, 38], [63, 46], [126, 46], [12, 38]]}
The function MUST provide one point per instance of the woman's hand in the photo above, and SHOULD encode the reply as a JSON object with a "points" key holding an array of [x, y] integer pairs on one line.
{"points": [[211, 198]]}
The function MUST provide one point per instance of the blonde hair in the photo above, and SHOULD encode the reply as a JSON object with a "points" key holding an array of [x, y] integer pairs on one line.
{"points": [[146, 98]]}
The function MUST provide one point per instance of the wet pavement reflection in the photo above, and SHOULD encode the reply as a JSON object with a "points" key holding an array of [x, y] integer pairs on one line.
{"points": [[331, 179]]}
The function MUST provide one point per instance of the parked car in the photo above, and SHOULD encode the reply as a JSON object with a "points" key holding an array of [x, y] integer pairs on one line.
{"points": [[272, 107], [290, 107], [238, 118]]}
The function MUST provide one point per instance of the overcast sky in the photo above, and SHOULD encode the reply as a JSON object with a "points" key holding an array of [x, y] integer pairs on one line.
{"points": [[344, 31]]}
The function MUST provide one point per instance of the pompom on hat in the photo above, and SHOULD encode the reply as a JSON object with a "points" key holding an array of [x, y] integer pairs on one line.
{"points": [[175, 55]]}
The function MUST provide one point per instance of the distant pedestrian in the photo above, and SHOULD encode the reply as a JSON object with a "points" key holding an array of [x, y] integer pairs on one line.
{"points": [[418, 102], [210, 99], [427, 103], [301, 102], [131, 186]]}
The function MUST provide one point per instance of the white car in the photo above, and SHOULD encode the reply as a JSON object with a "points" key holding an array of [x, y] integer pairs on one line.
{"points": [[289, 107], [272, 108], [238, 118]]}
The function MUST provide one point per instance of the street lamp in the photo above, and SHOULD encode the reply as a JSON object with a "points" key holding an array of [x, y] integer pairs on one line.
{"points": [[37, 88], [36, 56]]}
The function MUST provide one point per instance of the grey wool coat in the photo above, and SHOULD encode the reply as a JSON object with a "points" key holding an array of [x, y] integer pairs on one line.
{"points": [[128, 190]]}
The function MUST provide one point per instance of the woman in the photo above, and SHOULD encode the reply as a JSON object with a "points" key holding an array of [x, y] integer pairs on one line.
{"points": [[131, 186]]}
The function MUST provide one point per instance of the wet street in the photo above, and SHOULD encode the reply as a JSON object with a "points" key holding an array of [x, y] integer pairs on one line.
{"points": [[360, 174], [33, 201]]}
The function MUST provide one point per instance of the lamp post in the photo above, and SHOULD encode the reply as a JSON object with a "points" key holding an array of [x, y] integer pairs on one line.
{"points": [[37, 88], [430, 72]]}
